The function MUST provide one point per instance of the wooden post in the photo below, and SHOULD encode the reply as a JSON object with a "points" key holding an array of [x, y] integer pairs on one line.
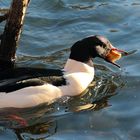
{"points": [[12, 31]]}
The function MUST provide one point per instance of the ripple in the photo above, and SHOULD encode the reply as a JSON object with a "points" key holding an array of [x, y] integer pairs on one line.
{"points": [[3, 11], [81, 7], [135, 4], [113, 30]]}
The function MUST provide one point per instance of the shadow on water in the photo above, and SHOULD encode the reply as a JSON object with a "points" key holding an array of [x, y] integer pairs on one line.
{"points": [[41, 121]]}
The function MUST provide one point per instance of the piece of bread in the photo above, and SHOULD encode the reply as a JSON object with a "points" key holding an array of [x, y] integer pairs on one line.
{"points": [[114, 56]]}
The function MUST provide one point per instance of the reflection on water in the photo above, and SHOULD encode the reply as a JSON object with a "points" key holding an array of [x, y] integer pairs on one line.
{"points": [[39, 131]]}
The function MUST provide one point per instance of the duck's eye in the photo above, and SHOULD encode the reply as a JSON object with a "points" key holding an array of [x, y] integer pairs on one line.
{"points": [[104, 46], [107, 46]]}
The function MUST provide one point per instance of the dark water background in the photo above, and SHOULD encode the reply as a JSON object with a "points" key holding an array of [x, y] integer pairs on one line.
{"points": [[50, 28]]}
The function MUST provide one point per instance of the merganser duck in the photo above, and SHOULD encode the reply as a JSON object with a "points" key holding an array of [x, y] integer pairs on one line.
{"points": [[77, 74]]}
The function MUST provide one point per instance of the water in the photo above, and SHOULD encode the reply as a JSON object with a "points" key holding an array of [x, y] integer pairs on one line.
{"points": [[50, 28]]}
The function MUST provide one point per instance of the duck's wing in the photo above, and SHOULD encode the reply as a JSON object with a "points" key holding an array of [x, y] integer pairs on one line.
{"points": [[19, 78], [25, 73], [13, 86]]}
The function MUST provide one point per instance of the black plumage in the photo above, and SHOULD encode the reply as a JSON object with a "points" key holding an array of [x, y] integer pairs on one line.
{"points": [[18, 78]]}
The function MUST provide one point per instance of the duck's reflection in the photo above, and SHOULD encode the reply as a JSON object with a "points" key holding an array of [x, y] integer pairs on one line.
{"points": [[39, 131], [48, 126]]}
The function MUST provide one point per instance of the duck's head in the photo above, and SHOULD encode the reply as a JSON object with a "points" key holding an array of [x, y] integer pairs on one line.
{"points": [[95, 46]]}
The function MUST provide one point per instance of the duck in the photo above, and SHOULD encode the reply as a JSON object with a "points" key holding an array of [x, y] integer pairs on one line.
{"points": [[72, 80]]}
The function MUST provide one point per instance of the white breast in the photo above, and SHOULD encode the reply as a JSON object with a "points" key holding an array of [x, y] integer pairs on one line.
{"points": [[79, 76], [77, 83]]}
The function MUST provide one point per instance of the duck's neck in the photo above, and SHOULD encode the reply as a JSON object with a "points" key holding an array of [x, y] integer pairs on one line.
{"points": [[73, 66], [78, 76]]}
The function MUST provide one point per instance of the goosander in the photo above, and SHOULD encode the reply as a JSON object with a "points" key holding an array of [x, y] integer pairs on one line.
{"points": [[76, 76]]}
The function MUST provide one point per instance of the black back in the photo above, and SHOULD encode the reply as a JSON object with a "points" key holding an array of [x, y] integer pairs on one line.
{"points": [[18, 78]]}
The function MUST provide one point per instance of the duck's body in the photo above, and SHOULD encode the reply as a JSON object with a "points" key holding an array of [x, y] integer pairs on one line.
{"points": [[78, 73]]}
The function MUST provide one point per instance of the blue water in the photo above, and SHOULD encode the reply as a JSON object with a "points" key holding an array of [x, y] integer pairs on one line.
{"points": [[50, 28]]}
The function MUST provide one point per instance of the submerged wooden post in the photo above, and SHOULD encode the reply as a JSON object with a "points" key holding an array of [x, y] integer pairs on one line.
{"points": [[12, 31]]}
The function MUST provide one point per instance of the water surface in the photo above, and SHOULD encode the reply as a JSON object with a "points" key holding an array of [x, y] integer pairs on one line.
{"points": [[50, 29]]}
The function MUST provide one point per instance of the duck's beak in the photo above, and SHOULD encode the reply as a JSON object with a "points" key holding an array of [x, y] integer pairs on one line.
{"points": [[114, 55]]}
